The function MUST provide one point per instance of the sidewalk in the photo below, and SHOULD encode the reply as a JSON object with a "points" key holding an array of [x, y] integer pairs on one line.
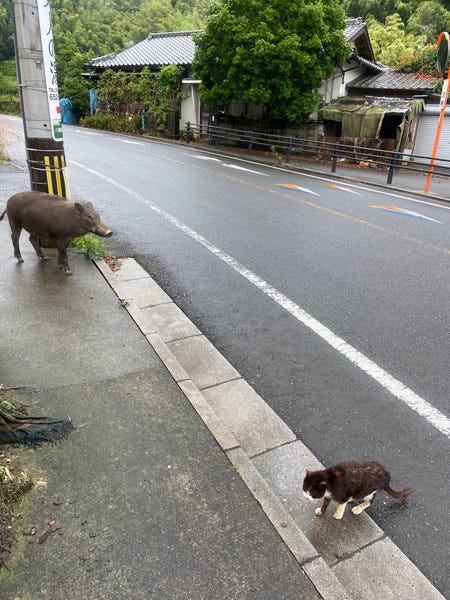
{"points": [[147, 503], [149, 506], [156, 499]]}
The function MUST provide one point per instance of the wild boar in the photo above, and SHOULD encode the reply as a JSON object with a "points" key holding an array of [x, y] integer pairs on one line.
{"points": [[52, 222]]}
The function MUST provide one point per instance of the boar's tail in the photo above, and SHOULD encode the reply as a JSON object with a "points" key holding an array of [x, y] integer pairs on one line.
{"points": [[2, 215]]}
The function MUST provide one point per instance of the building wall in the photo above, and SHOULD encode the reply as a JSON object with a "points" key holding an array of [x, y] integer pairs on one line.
{"points": [[335, 86], [190, 103]]}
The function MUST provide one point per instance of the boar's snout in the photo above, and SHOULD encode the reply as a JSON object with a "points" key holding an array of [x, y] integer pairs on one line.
{"points": [[104, 232]]}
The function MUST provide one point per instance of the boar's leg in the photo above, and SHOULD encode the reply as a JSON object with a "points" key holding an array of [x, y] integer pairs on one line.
{"points": [[15, 234], [34, 239], [63, 260]]}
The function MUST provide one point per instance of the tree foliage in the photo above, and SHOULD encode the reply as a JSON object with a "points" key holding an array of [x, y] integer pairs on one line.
{"points": [[390, 40], [293, 44], [6, 31], [271, 52], [422, 62], [84, 29], [126, 95], [429, 19]]}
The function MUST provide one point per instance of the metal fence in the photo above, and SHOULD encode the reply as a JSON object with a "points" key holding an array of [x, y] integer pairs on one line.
{"points": [[287, 147]]}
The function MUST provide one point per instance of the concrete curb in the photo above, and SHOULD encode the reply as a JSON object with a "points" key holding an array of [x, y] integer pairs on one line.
{"points": [[347, 559]]}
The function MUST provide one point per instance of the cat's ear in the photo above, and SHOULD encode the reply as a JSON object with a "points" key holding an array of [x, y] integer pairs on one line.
{"points": [[308, 472]]}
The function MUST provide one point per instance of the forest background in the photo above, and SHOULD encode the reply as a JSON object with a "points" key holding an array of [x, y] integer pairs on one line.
{"points": [[402, 32]]}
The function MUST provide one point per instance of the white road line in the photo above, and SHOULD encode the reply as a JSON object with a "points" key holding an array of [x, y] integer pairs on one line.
{"points": [[364, 188], [423, 408], [228, 165]]}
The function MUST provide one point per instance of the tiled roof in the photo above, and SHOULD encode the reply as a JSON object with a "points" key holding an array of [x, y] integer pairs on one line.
{"points": [[353, 28], [176, 48], [370, 64], [170, 48], [390, 80]]}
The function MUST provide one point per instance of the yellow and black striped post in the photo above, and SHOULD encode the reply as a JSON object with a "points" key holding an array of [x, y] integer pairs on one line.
{"points": [[47, 166]]}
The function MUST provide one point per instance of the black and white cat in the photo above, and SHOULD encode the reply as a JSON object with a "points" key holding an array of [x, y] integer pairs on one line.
{"points": [[347, 482]]}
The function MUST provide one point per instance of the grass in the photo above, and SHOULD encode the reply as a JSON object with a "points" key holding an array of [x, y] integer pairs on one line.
{"points": [[9, 96], [14, 484]]}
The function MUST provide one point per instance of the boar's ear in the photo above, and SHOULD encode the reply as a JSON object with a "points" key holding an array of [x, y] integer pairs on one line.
{"points": [[79, 207], [89, 205]]}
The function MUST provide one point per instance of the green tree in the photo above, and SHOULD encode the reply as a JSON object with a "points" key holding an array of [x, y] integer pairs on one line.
{"points": [[271, 52], [429, 19], [6, 32], [379, 9], [390, 40]]}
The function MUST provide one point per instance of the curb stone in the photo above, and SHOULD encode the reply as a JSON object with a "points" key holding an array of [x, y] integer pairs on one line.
{"points": [[343, 560]]}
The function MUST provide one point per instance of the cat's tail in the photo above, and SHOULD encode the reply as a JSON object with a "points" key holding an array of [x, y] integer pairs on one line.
{"points": [[397, 495]]}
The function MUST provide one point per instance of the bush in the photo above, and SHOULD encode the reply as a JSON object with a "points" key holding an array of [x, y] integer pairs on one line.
{"points": [[111, 122]]}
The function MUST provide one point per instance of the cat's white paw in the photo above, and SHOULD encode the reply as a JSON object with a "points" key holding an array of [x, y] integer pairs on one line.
{"points": [[338, 515], [358, 509], [318, 512]]}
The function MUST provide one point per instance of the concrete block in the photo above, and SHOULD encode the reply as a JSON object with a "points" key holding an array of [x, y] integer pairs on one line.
{"points": [[170, 361], [324, 580], [170, 322], [129, 269], [218, 429], [205, 365], [254, 424], [144, 292], [289, 531], [383, 571]]}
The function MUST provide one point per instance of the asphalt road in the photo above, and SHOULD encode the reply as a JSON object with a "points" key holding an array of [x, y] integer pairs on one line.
{"points": [[330, 301]]}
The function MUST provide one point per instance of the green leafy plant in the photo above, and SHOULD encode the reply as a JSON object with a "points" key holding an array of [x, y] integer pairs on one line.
{"points": [[90, 246], [276, 154], [271, 52]]}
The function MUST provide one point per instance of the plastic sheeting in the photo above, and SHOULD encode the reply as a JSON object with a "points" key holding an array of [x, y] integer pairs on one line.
{"points": [[363, 119], [67, 114]]}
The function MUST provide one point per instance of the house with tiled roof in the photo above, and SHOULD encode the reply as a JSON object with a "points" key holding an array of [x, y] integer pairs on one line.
{"points": [[156, 51], [361, 74], [362, 99], [367, 100]]}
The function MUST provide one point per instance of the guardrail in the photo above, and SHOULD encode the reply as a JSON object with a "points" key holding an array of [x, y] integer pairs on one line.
{"points": [[287, 147]]}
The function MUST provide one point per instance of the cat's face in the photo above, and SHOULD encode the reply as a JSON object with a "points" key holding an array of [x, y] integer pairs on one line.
{"points": [[314, 485]]}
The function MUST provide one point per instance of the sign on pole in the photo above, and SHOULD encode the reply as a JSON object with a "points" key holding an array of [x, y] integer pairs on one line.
{"points": [[48, 55]]}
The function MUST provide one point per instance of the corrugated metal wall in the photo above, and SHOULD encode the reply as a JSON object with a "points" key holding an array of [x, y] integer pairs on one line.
{"points": [[426, 134]]}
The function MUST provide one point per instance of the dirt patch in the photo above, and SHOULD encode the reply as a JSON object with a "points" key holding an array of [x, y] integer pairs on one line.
{"points": [[113, 263]]}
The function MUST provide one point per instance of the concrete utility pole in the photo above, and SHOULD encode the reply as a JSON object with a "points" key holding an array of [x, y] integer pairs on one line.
{"points": [[39, 98]]}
